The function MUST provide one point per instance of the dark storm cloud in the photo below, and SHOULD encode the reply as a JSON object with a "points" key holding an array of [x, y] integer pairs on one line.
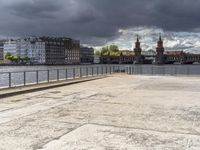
{"points": [[34, 8], [95, 19]]}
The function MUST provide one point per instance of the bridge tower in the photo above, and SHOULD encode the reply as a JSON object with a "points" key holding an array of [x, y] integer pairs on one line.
{"points": [[160, 51], [137, 51]]}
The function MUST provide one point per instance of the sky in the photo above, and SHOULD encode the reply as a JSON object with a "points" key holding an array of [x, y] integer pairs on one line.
{"points": [[101, 22]]}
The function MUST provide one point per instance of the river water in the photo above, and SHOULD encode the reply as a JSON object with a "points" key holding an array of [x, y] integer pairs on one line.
{"points": [[52, 73], [34, 74]]}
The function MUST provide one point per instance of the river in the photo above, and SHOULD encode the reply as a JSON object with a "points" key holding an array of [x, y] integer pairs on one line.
{"points": [[53, 73]]}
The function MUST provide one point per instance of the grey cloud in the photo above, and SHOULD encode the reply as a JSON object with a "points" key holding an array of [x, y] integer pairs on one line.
{"points": [[95, 21]]}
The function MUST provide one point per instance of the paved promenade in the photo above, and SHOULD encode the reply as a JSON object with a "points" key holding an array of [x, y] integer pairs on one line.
{"points": [[120, 112]]}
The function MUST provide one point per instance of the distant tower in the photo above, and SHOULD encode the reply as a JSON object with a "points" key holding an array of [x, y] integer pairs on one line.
{"points": [[160, 51], [137, 51]]}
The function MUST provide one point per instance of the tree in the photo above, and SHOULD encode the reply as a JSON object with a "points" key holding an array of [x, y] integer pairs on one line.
{"points": [[98, 53], [7, 55], [111, 50], [114, 48]]}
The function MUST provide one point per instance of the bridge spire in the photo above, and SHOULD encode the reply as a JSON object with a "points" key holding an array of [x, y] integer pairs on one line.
{"points": [[137, 38], [160, 37]]}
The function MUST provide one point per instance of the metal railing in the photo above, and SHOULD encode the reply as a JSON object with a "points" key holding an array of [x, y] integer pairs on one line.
{"points": [[173, 70], [23, 78]]}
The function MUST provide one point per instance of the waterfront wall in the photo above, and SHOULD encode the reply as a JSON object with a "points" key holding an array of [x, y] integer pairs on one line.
{"points": [[187, 70]]}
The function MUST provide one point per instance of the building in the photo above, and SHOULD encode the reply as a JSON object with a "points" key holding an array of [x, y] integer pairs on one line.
{"points": [[71, 51], [54, 50], [87, 55], [45, 50], [160, 52], [10, 47], [22, 48], [36, 50], [138, 51]]}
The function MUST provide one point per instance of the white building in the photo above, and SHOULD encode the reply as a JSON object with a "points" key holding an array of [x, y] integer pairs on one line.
{"points": [[36, 50], [10, 47], [22, 49], [32, 48]]}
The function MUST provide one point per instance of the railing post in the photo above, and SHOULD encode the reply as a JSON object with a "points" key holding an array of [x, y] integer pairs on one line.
{"points": [[175, 71], [48, 76], [24, 78], [102, 70], [58, 74], [106, 69], [188, 70], [97, 70], [92, 71], [66, 74], [86, 71], [74, 73], [110, 70], [37, 77], [80, 72], [119, 69], [10, 79]]}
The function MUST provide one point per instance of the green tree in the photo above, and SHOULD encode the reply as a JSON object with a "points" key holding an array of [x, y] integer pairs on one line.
{"points": [[111, 50], [114, 48], [98, 53], [7, 55]]}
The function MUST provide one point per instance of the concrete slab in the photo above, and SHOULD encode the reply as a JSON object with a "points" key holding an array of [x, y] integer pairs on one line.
{"points": [[119, 112], [97, 137]]}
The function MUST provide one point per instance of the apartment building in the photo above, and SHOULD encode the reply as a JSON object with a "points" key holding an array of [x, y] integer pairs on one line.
{"points": [[87, 55], [72, 51], [36, 50], [10, 47]]}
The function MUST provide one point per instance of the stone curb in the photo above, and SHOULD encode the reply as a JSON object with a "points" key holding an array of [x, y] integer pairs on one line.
{"points": [[43, 86]]}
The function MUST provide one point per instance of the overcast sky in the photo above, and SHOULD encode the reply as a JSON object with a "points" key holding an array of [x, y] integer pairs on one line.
{"points": [[100, 22]]}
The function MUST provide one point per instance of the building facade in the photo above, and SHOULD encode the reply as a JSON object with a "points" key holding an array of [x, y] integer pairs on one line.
{"points": [[10, 47], [87, 55], [72, 51], [36, 50], [54, 50]]}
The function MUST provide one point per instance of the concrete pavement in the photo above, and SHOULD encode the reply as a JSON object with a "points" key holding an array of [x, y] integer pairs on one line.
{"points": [[119, 112]]}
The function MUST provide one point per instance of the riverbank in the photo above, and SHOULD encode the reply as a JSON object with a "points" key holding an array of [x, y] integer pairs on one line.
{"points": [[119, 112]]}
